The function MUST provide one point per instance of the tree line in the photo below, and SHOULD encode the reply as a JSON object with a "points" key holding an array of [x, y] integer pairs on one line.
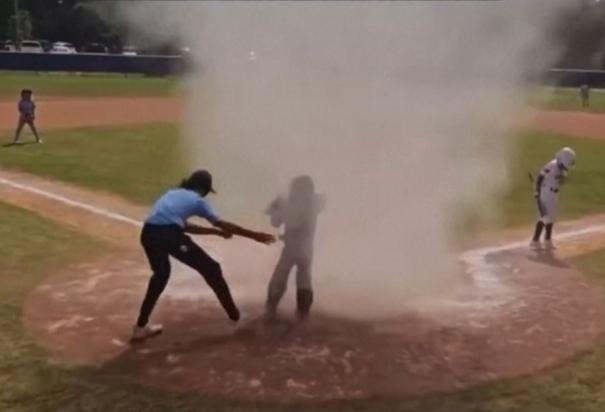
{"points": [[73, 21], [579, 32]]}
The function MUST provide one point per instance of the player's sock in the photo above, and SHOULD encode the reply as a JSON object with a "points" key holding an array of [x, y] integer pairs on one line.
{"points": [[548, 234], [538, 231], [304, 300], [271, 308]]}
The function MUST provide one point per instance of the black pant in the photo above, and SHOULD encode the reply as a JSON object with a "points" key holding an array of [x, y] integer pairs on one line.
{"points": [[162, 241]]}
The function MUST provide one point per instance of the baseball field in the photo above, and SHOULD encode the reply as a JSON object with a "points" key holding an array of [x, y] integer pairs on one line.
{"points": [[524, 335]]}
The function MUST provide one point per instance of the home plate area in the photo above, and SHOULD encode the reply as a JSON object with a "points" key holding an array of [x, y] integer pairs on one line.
{"points": [[550, 312]]}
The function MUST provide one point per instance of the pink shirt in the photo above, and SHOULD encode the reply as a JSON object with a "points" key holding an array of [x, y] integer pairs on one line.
{"points": [[27, 108]]}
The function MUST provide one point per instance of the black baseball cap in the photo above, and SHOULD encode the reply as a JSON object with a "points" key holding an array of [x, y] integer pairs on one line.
{"points": [[200, 179]]}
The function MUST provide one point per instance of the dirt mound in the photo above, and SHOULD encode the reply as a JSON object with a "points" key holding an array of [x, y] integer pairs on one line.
{"points": [[85, 315]]}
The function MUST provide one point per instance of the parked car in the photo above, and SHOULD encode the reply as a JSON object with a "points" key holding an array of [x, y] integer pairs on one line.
{"points": [[129, 51], [63, 48], [32, 46], [7, 46], [95, 48]]}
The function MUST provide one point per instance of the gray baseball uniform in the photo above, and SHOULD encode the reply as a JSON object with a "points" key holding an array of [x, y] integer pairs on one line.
{"points": [[300, 220]]}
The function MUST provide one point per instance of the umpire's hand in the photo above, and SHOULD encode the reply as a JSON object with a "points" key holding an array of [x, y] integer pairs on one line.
{"points": [[265, 238]]}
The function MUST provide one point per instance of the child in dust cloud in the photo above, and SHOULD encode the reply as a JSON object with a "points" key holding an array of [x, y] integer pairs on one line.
{"points": [[298, 214]]}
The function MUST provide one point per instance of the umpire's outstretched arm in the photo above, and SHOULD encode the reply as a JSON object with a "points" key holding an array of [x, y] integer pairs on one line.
{"points": [[230, 227]]}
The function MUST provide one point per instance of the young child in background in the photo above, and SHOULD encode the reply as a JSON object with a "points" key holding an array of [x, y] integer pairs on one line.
{"points": [[585, 95], [551, 177], [298, 214], [27, 115]]}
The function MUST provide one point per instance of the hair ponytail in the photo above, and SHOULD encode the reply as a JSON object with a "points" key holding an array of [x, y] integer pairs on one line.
{"points": [[199, 181]]}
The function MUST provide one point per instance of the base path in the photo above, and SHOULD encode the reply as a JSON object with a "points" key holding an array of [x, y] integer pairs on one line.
{"points": [[62, 113], [68, 112], [579, 124], [519, 313]]}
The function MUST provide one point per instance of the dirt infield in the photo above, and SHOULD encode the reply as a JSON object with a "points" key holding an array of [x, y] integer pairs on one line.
{"points": [[61, 113], [84, 314]]}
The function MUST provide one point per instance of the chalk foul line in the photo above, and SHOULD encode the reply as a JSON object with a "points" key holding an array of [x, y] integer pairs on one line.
{"points": [[70, 202]]}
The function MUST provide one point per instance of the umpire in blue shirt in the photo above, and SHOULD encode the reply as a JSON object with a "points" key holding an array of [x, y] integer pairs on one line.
{"points": [[164, 235]]}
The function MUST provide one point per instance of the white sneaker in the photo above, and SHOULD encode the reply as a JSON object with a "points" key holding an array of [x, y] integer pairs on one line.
{"points": [[244, 324], [141, 333], [39, 141], [548, 245], [535, 245]]}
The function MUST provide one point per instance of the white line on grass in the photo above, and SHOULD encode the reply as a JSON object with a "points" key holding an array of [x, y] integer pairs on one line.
{"points": [[74, 203]]}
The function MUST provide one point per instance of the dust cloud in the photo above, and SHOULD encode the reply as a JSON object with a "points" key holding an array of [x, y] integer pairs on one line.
{"points": [[401, 112]]}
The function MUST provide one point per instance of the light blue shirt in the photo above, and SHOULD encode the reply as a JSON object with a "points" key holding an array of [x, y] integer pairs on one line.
{"points": [[177, 205]]}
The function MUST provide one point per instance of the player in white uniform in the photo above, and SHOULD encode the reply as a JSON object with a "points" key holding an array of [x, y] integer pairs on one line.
{"points": [[548, 183]]}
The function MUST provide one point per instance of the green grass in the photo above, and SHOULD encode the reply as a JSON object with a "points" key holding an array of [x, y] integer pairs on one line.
{"points": [[583, 193], [33, 382], [136, 162], [565, 98], [91, 85]]}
